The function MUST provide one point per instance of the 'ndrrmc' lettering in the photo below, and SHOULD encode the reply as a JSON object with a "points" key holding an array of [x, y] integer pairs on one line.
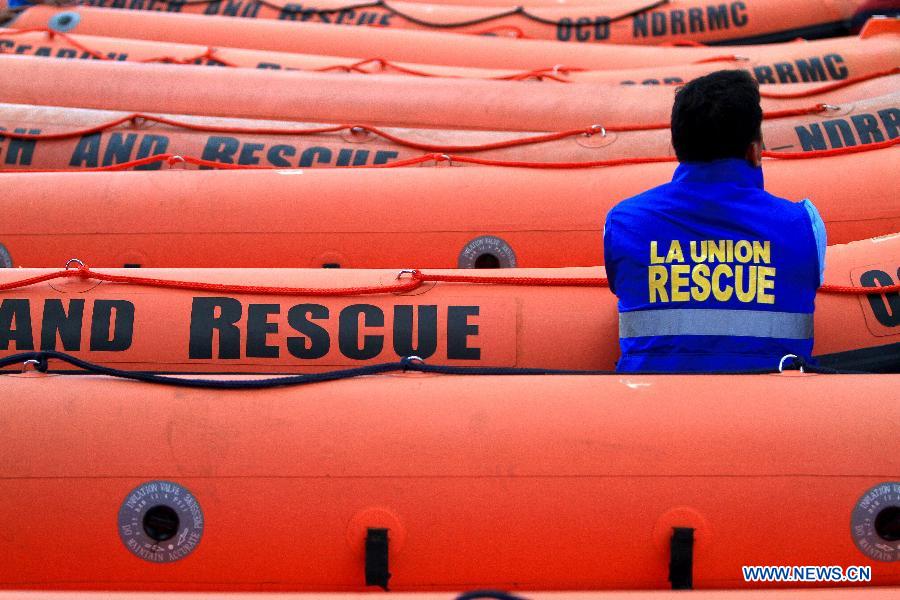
{"points": [[839, 133], [714, 17], [361, 331], [816, 68], [826, 68], [111, 327]]}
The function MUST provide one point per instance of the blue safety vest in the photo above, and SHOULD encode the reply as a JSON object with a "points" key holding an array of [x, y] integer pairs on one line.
{"points": [[713, 273]]}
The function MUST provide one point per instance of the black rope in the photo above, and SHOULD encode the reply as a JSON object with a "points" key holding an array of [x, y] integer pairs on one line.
{"points": [[519, 10], [40, 360]]}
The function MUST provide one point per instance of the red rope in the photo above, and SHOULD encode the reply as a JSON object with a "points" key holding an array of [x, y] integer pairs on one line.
{"points": [[86, 273], [382, 64], [173, 159], [416, 279], [135, 118], [829, 86], [385, 66], [209, 53], [557, 75], [168, 159], [439, 158], [451, 158], [503, 31], [832, 151], [554, 74], [849, 289], [723, 58], [519, 281]]}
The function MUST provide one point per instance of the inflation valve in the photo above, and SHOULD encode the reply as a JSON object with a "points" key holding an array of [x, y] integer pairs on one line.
{"points": [[64, 22], [377, 567], [160, 522], [681, 562], [875, 522]]}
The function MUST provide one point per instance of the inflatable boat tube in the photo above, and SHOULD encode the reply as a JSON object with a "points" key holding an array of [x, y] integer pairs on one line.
{"points": [[397, 45], [533, 318], [428, 482], [612, 21], [870, 593], [374, 99], [383, 218], [845, 58], [69, 138]]}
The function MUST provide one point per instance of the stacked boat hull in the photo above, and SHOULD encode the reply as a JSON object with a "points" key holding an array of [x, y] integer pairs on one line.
{"points": [[248, 344]]}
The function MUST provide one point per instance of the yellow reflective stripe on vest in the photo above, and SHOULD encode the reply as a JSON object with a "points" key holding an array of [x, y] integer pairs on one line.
{"points": [[704, 321]]}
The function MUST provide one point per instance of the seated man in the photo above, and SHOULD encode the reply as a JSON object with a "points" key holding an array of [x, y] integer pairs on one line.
{"points": [[712, 272]]}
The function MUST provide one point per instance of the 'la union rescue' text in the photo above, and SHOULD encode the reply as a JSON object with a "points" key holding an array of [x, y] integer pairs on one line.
{"points": [[721, 269]]}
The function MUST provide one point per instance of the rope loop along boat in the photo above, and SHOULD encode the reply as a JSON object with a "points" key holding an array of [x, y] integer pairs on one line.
{"points": [[838, 59], [442, 481], [333, 431], [51, 138], [398, 45], [388, 100], [615, 21], [384, 218], [261, 321]]}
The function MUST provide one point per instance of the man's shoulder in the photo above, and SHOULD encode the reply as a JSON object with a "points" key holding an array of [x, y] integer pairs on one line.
{"points": [[800, 207]]}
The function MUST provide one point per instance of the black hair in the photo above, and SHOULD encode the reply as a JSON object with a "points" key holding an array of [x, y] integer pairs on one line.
{"points": [[716, 116]]}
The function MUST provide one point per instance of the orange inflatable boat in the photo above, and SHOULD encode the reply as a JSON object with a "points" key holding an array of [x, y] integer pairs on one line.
{"points": [[614, 21], [384, 218], [429, 482], [844, 58], [375, 99], [868, 593], [399, 45], [534, 318], [59, 138]]}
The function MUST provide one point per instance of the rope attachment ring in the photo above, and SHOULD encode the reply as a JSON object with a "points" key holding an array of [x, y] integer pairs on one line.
{"points": [[39, 365], [176, 159], [78, 262], [413, 274], [411, 280], [595, 129], [412, 363], [797, 361]]}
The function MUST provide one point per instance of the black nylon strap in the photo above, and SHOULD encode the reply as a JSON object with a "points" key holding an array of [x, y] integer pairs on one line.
{"points": [[377, 567], [681, 563], [41, 359]]}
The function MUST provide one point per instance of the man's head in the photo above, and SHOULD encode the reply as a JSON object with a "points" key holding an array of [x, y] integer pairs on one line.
{"points": [[718, 116]]}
